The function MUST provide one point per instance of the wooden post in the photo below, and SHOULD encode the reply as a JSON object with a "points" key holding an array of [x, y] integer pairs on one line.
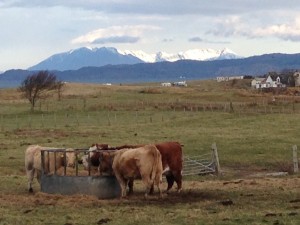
{"points": [[295, 159], [216, 158], [231, 107]]}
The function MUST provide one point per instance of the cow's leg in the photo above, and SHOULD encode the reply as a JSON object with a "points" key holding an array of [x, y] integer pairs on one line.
{"points": [[178, 179], [148, 184], [151, 192], [130, 186], [158, 182], [30, 176], [170, 180], [38, 176], [123, 184]]}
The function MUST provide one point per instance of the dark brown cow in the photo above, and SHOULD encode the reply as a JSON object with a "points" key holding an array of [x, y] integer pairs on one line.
{"points": [[172, 158]]}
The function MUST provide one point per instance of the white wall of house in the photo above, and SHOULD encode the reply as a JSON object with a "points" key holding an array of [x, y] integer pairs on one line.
{"points": [[266, 82]]}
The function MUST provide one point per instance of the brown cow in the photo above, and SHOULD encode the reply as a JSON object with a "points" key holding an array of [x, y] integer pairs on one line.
{"points": [[128, 164], [172, 159]]}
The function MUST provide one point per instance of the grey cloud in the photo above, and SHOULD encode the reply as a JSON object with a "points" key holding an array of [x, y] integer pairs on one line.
{"points": [[195, 39], [198, 39], [116, 39], [293, 38], [166, 7]]}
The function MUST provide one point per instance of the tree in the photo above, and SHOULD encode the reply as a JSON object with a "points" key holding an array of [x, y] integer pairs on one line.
{"points": [[59, 86], [37, 85]]}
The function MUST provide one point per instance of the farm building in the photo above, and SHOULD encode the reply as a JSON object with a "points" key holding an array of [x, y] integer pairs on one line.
{"points": [[268, 82], [180, 83], [297, 79], [166, 84], [220, 79]]}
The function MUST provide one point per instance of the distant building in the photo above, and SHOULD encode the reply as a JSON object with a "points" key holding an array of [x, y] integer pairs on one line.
{"points": [[180, 83], [166, 84], [268, 82], [220, 79], [297, 79]]}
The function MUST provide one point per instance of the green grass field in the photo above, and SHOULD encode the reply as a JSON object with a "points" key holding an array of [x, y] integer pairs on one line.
{"points": [[254, 133]]}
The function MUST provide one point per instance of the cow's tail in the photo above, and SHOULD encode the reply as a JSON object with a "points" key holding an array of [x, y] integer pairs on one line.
{"points": [[157, 166]]}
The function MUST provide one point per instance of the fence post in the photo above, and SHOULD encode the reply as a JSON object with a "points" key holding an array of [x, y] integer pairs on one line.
{"points": [[295, 159], [216, 158]]}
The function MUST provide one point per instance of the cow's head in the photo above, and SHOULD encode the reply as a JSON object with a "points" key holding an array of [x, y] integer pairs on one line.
{"points": [[71, 157], [84, 161], [106, 161]]}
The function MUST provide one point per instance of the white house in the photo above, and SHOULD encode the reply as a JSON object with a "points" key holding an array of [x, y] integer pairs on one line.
{"points": [[266, 82], [166, 84]]}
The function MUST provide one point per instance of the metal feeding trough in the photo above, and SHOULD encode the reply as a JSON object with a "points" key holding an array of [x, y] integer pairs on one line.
{"points": [[104, 187]]}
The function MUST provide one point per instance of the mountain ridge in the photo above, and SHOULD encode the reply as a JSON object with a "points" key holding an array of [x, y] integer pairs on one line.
{"points": [[166, 71], [83, 57]]}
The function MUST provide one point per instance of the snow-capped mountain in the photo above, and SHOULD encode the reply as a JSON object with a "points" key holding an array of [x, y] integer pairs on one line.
{"points": [[192, 54], [83, 57]]}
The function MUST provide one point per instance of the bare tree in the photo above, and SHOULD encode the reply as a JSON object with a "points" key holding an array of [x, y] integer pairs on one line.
{"points": [[60, 87], [37, 85]]}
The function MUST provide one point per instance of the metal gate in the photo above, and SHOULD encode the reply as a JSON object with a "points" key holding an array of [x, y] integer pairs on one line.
{"points": [[202, 164]]}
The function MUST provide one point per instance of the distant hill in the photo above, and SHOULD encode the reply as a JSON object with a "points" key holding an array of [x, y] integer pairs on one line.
{"points": [[82, 57], [167, 71], [96, 57]]}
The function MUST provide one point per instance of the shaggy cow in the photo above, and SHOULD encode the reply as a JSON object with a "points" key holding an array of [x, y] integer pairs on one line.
{"points": [[172, 159], [52, 161], [129, 164]]}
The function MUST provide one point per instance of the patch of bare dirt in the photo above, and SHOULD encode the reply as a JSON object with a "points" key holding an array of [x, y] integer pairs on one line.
{"points": [[194, 191]]}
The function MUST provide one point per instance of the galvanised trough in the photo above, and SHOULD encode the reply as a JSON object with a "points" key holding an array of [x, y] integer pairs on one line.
{"points": [[104, 187]]}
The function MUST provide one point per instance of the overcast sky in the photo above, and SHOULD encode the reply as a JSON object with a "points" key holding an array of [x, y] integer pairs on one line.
{"points": [[33, 30]]}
